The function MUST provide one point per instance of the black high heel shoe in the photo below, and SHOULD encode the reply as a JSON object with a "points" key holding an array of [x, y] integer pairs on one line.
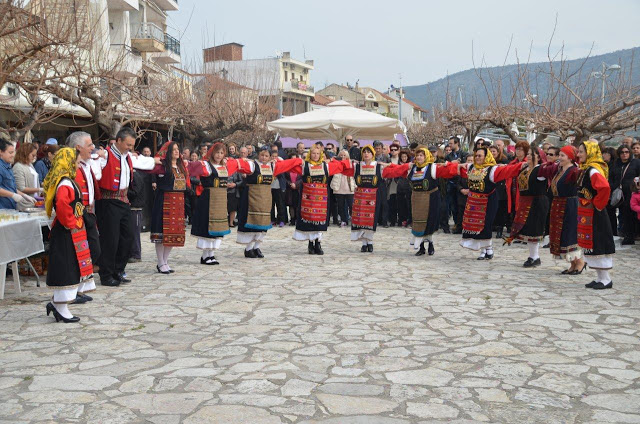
{"points": [[576, 272], [431, 250], [162, 272], [58, 317]]}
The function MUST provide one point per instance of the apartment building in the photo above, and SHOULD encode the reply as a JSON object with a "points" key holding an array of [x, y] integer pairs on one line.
{"points": [[287, 81]]}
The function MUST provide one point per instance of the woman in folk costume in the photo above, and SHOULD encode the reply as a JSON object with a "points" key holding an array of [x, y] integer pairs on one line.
{"points": [[533, 207], [313, 207], [70, 266], [254, 209], [425, 198], [563, 222], [595, 235], [367, 199], [167, 214], [210, 223], [482, 200]]}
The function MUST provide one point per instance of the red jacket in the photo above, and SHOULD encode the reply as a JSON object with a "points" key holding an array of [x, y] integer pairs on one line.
{"points": [[635, 203]]}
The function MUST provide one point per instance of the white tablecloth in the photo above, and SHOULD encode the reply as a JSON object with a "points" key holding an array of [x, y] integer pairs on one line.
{"points": [[20, 239]]}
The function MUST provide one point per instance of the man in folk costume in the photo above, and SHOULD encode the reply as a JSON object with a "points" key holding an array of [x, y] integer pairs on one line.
{"points": [[70, 265], [482, 201], [313, 210], [113, 209], [167, 215], [254, 208], [425, 198], [87, 182], [210, 223], [595, 235]]}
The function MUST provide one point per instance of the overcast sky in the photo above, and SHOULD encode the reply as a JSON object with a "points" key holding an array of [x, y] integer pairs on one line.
{"points": [[374, 41]]}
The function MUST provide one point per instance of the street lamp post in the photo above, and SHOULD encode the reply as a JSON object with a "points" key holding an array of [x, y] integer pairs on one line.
{"points": [[603, 76]]}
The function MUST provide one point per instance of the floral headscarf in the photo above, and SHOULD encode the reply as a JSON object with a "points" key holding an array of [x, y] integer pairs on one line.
{"points": [[62, 166], [162, 153], [594, 158], [428, 157], [319, 161]]}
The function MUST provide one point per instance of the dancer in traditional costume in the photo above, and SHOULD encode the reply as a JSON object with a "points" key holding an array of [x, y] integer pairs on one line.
{"points": [[313, 207], [595, 235], [533, 207], [86, 179], [254, 209], [167, 214], [70, 265], [563, 223], [210, 223], [482, 200], [425, 197], [367, 199]]}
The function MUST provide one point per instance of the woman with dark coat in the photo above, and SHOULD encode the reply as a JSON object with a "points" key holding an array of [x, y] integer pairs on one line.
{"points": [[625, 169], [609, 156]]}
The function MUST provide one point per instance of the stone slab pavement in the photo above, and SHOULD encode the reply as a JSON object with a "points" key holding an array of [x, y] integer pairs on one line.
{"points": [[346, 338]]}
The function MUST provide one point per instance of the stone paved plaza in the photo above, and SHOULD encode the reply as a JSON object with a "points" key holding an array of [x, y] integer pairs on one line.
{"points": [[346, 338]]}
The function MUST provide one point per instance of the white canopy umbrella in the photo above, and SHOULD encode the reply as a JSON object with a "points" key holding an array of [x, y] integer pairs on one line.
{"points": [[336, 121]]}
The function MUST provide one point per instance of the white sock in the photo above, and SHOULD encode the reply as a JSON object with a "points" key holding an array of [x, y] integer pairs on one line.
{"points": [[364, 242], [249, 246], [205, 253], [63, 309], [160, 254], [257, 244], [489, 251], [165, 256], [533, 250], [603, 276], [483, 251]]}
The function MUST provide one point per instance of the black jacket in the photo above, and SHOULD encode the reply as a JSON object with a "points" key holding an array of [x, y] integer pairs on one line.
{"points": [[616, 175], [136, 193]]}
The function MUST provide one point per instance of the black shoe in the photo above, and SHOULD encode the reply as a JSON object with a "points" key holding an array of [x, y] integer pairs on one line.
{"points": [[482, 257], [601, 286], [393, 224], [499, 234], [86, 296], [578, 272], [318, 248], [447, 230], [310, 248], [421, 251], [120, 277], [79, 300], [258, 253], [250, 254], [457, 230], [430, 249], [530, 263], [591, 284], [627, 242], [385, 225], [363, 249], [488, 256], [369, 247], [57, 316], [162, 272], [211, 260], [565, 272], [110, 282], [546, 246]]}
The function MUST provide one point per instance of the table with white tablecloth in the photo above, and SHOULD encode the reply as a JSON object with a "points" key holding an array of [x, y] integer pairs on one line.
{"points": [[19, 239]]}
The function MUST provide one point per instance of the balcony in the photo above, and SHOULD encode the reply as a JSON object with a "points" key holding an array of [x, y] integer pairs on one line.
{"points": [[125, 60], [298, 87], [147, 37], [127, 5], [167, 4], [171, 54]]}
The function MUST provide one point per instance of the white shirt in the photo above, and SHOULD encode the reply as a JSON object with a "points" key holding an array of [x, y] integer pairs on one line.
{"points": [[141, 162]]}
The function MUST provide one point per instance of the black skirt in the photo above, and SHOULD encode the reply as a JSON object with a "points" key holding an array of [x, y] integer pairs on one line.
{"points": [[536, 223], [64, 270]]}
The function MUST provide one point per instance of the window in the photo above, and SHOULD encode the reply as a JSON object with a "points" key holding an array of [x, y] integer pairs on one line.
{"points": [[293, 76], [286, 76], [12, 90], [55, 100]]}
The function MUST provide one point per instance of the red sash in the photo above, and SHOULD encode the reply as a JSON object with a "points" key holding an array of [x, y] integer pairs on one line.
{"points": [[313, 208], [475, 213], [556, 219], [173, 219], [364, 208], [83, 254], [522, 213]]}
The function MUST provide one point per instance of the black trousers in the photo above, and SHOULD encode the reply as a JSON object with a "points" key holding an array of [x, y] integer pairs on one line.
{"points": [[277, 201], [93, 237], [611, 211], [344, 204], [384, 207], [333, 206], [393, 209], [404, 207], [114, 221], [629, 218], [136, 223]]}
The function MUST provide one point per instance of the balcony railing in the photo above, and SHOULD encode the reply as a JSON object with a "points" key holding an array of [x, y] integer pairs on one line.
{"points": [[171, 44], [300, 86], [146, 30]]}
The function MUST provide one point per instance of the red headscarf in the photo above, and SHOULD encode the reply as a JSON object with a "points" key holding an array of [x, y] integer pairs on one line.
{"points": [[162, 153], [570, 151], [213, 148]]}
